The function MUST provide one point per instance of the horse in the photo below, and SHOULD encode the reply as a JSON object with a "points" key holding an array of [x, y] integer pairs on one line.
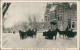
{"points": [[50, 34], [30, 33], [34, 32], [54, 33], [44, 33], [22, 34], [67, 33], [71, 34]]}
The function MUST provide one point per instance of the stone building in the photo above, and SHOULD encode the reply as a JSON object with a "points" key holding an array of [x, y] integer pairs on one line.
{"points": [[64, 15]]}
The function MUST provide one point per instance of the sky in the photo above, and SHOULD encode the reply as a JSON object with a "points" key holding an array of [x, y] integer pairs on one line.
{"points": [[20, 12]]}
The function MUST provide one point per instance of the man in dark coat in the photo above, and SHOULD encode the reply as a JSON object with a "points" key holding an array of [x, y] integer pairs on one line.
{"points": [[49, 34]]}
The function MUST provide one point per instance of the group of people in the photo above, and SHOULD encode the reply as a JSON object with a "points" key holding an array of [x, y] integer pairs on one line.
{"points": [[30, 33], [53, 33], [50, 34]]}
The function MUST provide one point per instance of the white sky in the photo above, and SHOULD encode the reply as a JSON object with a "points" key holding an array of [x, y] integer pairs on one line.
{"points": [[19, 12]]}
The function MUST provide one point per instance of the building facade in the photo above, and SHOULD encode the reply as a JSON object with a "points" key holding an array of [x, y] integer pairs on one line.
{"points": [[64, 15]]}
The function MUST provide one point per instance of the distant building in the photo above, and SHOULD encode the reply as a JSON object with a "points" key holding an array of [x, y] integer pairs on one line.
{"points": [[63, 14]]}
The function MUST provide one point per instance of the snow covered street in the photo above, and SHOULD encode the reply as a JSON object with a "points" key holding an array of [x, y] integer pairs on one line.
{"points": [[10, 40]]}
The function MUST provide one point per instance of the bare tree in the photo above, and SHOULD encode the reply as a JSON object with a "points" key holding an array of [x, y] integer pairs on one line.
{"points": [[30, 21], [4, 10], [35, 23], [5, 7]]}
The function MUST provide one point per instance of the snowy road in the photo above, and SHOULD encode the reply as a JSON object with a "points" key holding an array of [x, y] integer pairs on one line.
{"points": [[13, 41]]}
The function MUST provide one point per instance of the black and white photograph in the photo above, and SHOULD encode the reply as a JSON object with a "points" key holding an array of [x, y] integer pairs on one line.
{"points": [[39, 24]]}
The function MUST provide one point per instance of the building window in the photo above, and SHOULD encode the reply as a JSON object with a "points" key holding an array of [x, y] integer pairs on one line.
{"points": [[46, 16], [73, 25], [65, 8], [58, 18], [48, 19]]}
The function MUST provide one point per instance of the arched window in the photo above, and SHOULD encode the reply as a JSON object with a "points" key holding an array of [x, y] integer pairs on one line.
{"points": [[60, 17]]}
